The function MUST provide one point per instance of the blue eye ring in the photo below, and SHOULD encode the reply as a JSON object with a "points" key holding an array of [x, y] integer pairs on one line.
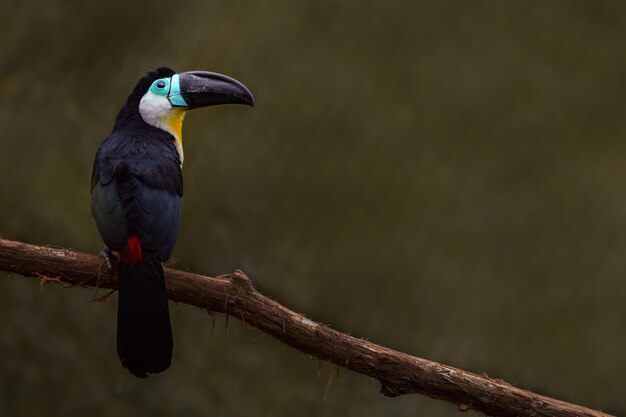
{"points": [[161, 86]]}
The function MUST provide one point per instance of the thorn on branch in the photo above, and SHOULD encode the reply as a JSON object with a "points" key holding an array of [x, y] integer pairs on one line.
{"points": [[501, 381], [241, 280]]}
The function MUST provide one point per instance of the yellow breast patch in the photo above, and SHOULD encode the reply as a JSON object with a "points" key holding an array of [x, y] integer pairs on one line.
{"points": [[175, 124]]}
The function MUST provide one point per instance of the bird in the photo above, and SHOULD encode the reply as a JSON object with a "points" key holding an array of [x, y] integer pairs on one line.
{"points": [[136, 193]]}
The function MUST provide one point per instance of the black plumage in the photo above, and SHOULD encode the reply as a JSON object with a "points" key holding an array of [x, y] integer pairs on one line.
{"points": [[144, 333]]}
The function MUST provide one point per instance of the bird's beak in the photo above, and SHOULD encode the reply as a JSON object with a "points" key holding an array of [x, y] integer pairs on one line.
{"points": [[202, 88]]}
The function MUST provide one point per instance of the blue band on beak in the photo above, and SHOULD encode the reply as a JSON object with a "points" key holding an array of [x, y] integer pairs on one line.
{"points": [[175, 96]]}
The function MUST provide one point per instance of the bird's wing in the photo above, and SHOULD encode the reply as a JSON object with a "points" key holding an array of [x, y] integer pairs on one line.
{"points": [[160, 220], [109, 215]]}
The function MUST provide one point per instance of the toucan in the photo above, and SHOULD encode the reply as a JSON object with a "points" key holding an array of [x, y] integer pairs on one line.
{"points": [[136, 192]]}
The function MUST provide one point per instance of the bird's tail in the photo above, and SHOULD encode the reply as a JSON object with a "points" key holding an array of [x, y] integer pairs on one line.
{"points": [[144, 332]]}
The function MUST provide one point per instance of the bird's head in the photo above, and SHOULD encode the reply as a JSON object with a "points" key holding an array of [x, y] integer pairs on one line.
{"points": [[161, 98]]}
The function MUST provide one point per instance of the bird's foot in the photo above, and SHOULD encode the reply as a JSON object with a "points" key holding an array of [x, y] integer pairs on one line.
{"points": [[108, 257]]}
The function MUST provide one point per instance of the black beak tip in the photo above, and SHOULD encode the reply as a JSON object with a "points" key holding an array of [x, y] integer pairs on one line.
{"points": [[249, 100], [241, 94]]}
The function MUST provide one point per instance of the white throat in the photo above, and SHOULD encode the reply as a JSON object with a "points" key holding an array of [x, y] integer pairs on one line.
{"points": [[158, 112]]}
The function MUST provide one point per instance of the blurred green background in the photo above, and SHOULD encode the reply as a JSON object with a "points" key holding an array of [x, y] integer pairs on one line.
{"points": [[444, 178]]}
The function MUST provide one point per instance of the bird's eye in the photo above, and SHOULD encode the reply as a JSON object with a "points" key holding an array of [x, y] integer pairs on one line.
{"points": [[160, 87]]}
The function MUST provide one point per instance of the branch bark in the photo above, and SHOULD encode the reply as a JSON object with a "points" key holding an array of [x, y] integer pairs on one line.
{"points": [[234, 294]]}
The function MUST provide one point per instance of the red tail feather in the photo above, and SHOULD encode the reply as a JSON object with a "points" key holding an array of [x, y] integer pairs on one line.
{"points": [[133, 253]]}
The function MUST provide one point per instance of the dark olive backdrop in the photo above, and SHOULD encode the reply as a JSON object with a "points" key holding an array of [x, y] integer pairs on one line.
{"points": [[445, 178]]}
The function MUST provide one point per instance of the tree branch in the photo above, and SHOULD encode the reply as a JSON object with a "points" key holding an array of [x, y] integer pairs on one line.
{"points": [[235, 295]]}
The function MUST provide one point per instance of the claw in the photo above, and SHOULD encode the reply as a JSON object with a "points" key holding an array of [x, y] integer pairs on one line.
{"points": [[108, 256]]}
